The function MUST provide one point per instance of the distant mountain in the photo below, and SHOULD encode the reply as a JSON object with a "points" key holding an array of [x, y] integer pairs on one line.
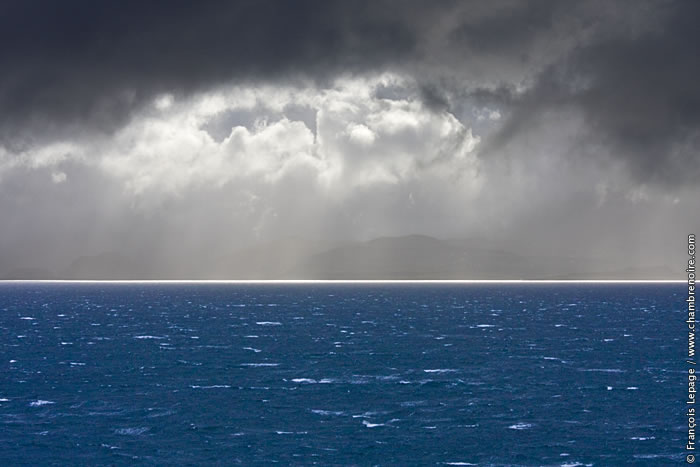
{"points": [[423, 257], [406, 257], [272, 260], [409, 257]]}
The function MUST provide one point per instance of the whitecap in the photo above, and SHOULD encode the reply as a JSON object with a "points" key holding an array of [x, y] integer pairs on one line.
{"points": [[77, 364], [602, 370], [251, 348], [148, 337], [4, 399], [259, 364], [631, 388], [654, 456], [412, 403], [458, 463], [39, 403], [304, 380], [131, 431], [268, 323], [160, 414], [642, 438], [371, 425], [327, 412], [521, 426], [387, 377], [213, 386], [28, 318], [485, 325], [610, 388], [366, 415], [441, 370]]}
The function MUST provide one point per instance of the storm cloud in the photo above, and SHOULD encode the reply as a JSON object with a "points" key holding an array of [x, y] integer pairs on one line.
{"points": [[93, 63], [182, 133]]}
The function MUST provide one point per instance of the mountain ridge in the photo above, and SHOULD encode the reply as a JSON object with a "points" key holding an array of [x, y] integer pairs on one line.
{"points": [[407, 257]]}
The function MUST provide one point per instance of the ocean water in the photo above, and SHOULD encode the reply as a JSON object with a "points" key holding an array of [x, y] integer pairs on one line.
{"points": [[328, 374]]}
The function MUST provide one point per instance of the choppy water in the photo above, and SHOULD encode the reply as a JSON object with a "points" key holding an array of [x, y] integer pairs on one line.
{"points": [[105, 374]]}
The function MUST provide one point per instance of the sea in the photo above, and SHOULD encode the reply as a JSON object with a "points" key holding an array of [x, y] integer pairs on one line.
{"points": [[516, 374]]}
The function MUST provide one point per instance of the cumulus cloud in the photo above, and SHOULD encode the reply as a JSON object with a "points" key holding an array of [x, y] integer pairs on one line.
{"points": [[361, 145], [357, 139]]}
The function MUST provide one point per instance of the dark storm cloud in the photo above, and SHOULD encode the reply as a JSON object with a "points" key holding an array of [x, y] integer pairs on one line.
{"points": [[83, 61], [638, 95], [510, 30], [644, 99], [434, 98], [68, 66]]}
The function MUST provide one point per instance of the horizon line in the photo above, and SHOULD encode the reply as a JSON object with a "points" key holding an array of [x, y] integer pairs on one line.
{"points": [[349, 281]]}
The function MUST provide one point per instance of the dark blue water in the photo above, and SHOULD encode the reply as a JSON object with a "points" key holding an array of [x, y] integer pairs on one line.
{"points": [[147, 374]]}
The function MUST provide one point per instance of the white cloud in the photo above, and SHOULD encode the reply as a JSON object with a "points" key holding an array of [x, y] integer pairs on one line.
{"points": [[50, 154], [360, 140], [42, 156], [360, 145], [164, 102], [360, 134], [487, 114], [58, 177]]}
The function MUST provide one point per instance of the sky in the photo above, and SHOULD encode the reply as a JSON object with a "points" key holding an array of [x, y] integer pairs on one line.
{"points": [[178, 130]]}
